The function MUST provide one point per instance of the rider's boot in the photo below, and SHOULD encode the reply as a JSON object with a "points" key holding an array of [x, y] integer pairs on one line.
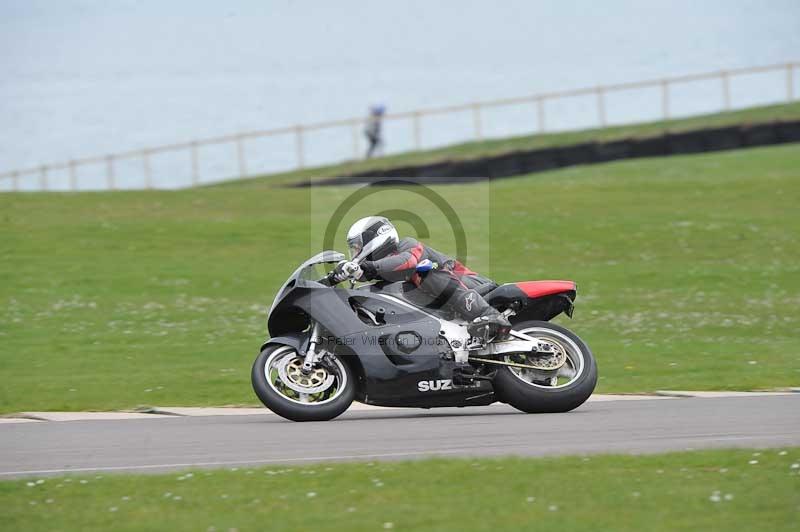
{"points": [[484, 320]]}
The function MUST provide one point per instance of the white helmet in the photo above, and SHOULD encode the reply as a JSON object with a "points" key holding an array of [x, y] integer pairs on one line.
{"points": [[373, 236]]}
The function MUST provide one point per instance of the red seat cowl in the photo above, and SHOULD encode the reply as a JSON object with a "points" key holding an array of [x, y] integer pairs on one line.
{"points": [[546, 288]]}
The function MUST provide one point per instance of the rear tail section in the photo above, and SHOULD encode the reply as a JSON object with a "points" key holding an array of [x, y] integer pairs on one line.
{"points": [[535, 300], [534, 289]]}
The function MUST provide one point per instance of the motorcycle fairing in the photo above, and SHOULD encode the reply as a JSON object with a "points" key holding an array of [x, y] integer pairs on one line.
{"points": [[388, 376], [297, 340], [367, 341]]}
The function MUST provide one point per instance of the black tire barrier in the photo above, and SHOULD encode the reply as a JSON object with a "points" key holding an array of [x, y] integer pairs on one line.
{"points": [[530, 161]]}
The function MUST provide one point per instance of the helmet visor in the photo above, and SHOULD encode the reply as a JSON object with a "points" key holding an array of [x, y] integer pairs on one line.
{"points": [[355, 245]]}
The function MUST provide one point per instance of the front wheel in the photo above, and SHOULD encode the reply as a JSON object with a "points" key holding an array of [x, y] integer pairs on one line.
{"points": [[536, 391], [320, 395]]}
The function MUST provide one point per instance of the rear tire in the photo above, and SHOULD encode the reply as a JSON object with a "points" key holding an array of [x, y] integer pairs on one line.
{"points": [[538, 397], [292, 409]]}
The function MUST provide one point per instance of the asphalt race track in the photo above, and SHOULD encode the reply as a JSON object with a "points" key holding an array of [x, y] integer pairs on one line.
{"points": [[168, 443]]}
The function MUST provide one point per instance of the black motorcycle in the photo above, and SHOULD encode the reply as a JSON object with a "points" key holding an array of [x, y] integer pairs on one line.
{"points": [[381, 344]]}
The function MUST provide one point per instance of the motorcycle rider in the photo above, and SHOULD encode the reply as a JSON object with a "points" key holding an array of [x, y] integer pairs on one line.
{"points": [[377, 252]]}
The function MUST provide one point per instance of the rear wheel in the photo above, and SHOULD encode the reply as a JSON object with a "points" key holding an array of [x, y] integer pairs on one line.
{"points": [[540, 391], [320, 395]]}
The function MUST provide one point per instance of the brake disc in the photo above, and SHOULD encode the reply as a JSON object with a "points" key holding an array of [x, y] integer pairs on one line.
{"points": [[550, 360], [291, 374]]}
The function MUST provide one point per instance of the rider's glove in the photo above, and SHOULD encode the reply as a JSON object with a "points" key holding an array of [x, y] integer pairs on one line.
{"points": [[353, 270], [338, 275], [346, 270]]}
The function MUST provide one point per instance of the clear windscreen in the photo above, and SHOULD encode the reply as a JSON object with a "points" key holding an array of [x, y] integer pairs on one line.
{"points": [[314, 272], [318, 266], [311, 270]]}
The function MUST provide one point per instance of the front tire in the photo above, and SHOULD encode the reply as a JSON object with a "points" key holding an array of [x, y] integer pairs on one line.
{"points": [[279, 392], [533, 392]]}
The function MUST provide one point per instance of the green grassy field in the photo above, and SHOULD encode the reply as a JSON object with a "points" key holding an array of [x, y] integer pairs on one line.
{"points": [[711, 490], [477, 149], [687, 270]]}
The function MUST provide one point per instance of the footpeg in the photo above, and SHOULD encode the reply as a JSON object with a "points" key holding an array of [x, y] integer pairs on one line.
{"points": [[463, 375]]}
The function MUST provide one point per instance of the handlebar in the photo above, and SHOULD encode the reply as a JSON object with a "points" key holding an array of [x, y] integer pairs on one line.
{"points": [[327, 280], [423, 267]]}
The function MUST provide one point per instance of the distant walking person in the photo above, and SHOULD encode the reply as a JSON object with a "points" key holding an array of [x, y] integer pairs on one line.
{"points": [[373, 129]]}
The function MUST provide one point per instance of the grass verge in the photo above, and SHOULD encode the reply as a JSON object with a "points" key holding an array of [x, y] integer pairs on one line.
{"points": [[710, 490], [688, 272], [484, 148]]}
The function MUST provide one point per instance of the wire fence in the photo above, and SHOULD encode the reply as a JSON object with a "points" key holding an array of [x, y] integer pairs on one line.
{"points": [[134, 169]]}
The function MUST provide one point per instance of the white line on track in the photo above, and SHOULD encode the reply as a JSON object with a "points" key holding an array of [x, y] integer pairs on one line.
{"points": [[423, 453], [171, 412], [426, 452]]}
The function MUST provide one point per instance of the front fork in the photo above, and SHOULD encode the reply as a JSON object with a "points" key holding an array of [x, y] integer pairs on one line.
{"points": [[312, 356]]}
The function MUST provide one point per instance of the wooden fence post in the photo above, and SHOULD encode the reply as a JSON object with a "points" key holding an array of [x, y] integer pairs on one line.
{"points": [[726, 91], [417, 132], [148, 175], [195, 164], [110, 172], [356, 139], [601, 106], [540, 113], [73, 177], [43, 178], [299, 146], [242, 156], [476, 121]]}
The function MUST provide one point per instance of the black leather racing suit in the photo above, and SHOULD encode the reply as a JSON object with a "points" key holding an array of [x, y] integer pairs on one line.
{"points": [[450, 283]]}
